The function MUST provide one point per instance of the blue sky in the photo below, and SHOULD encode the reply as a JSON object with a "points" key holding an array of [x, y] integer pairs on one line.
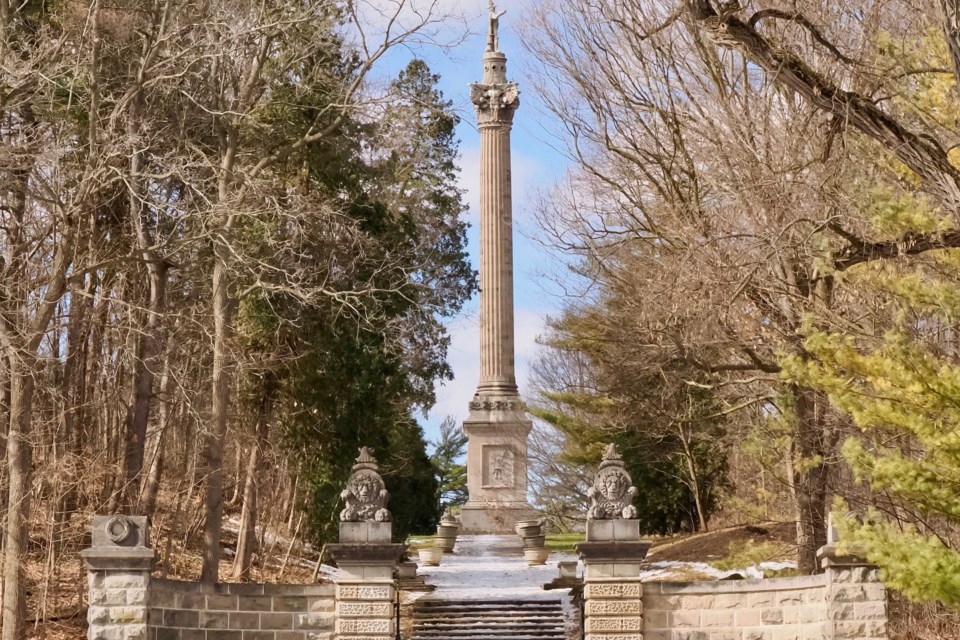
{"points": [[536, 165]]}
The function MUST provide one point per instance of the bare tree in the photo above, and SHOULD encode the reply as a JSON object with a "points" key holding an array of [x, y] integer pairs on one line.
{"points": [[715, 200]]}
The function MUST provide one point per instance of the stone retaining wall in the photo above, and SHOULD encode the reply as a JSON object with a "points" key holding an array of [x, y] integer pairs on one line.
{"points": [[192, 611], [768, 609], [847, 601]]}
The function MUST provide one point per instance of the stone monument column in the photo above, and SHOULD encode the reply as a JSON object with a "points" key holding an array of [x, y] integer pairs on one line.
{"points": [[366, 557], [498, 426]]}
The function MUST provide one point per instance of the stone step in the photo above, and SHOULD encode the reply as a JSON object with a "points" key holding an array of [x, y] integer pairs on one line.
{"points": [[485, 614], [491, 609], [480, 635], [491, 633], [492, 619], [469, 620], [502, 604]]}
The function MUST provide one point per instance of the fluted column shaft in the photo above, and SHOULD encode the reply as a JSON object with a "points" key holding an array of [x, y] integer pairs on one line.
{"points": [[496, 100], [497, 374]]}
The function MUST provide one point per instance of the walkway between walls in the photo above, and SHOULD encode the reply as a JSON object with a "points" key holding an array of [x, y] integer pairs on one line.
{"points": [[491, 567], [486, 590]]}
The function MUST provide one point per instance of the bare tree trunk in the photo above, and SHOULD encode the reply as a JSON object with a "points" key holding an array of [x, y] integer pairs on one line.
{"points": [[146, 364], [247, 538], [18, 463], [238, 478], [148, 501], [4, 430], [811, 476], [75, 386], [293, 541], [694, 478], [213, 439], [292, 506]]}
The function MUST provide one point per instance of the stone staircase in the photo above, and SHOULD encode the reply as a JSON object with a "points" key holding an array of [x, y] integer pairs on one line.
{"points": [[488, 620]]}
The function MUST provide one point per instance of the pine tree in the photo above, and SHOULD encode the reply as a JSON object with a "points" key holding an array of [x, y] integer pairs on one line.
{"points": [[448, 463], [895, 375]]}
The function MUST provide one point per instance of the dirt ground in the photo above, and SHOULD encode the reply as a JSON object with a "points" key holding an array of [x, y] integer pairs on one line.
{"points": [[703, 547]]}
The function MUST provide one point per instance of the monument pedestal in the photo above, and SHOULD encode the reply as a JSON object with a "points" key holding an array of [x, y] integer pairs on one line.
{"points": [[494, 517], [497, 431]]}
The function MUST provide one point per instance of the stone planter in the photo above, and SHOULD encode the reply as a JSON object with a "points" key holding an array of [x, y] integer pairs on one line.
{"points": [[534, 541], [536, 555], [431, 556], [568, 569], [530, 531], [527, 523], [446, 543], [448, 530], [407, 570]]}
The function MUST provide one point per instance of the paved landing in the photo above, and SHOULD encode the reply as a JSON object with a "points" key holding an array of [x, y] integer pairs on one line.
{"points": [[491, 567]]}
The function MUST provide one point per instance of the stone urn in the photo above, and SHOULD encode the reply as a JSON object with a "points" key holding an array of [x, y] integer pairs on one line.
{"points": [[446, 540], [529, 529], [447, 531], [526, 523], [431, 555], [534, 541], [536, 555]]}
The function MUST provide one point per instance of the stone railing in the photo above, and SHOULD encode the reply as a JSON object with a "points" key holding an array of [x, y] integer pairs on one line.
{"points": [[846, 602], [127, 603]]}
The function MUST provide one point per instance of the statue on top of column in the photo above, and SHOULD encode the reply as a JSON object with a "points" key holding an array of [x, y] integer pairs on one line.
{"points": [[493, 37], [612, 493], [365, 496]]}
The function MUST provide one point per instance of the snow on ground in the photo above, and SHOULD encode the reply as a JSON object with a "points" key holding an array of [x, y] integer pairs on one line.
{"points": [[483, 567], [667, 570], [492, 567]]}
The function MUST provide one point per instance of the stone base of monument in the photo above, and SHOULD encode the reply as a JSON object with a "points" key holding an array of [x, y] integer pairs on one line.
{"points": [[494, 517], [497, 429]]}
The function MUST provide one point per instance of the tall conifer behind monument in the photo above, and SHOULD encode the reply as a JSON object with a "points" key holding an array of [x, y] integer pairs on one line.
{"points": [[497, 427]]}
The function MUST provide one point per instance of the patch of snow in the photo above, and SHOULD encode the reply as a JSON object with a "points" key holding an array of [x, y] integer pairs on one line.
{"points": [[666, 569], [486, 567]]}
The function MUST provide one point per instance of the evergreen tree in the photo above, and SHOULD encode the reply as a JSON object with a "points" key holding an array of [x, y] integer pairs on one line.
{"points": [[355, 388], [896, 375], [448, 464], [669, 434]]}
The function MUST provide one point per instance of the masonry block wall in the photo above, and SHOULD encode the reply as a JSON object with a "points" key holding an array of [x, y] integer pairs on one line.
{"points": [[847, 602], [768, 609], [192, 611]]}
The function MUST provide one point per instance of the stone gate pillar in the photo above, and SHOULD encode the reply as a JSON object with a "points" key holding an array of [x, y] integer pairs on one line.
{"points": [[856, 597], [366, 557], [611, 555], [118, 563]]}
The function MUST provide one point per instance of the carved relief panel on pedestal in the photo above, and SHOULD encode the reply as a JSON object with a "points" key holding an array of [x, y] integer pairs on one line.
{"points": [[499, 468]]}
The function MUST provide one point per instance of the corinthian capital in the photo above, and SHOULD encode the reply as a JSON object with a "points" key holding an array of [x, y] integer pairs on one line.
{"points": [[495, 103]]}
